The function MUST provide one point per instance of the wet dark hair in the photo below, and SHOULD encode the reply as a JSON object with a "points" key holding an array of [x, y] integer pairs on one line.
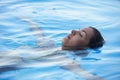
{"points": [[97, 40]]}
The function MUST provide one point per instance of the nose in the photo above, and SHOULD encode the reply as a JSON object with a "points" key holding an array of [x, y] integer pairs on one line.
{"points": [[73, 32]]}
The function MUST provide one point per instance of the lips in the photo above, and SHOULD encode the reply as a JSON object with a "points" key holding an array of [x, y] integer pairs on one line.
{"points": [[69, 36]]}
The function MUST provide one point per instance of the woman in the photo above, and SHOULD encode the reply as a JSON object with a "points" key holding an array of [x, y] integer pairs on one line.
{"points": [[77, 40], [82, 39]]}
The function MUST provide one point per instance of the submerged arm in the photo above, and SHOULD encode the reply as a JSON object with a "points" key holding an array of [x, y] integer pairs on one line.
{"points": [[35, 30], [33, 27], [75, 68]]}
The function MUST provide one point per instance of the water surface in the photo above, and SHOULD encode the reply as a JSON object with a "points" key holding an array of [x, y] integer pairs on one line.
{"points": [[56, 18]]}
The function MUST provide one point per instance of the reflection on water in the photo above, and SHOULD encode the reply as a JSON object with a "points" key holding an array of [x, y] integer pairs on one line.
{"points": [[20, 56]]}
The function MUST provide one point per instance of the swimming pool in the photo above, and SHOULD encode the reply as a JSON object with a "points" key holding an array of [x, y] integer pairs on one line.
{"points": [[56, 18]]}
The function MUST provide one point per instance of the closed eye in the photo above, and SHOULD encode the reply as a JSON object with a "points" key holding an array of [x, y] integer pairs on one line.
{"points": [[80, 34], [83, 34]]}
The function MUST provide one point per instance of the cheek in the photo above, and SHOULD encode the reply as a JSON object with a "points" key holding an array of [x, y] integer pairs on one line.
{"points": [[78, 42], [75, 42]]}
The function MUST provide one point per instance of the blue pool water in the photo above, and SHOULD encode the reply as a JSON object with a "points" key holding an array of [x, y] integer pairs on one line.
{"points": [[20, 59]]}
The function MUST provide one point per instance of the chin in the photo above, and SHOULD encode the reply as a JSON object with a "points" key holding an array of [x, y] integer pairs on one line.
{"points": [[63, 41]]}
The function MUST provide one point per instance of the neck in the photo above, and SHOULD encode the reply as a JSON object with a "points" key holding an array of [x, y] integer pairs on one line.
{"points": [[72, 48]]}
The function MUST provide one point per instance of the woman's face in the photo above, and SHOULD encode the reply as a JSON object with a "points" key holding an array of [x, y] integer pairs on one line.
{"points": [[78, 38]]}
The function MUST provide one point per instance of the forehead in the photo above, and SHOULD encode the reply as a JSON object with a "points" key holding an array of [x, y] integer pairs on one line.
{"points": [[89, 31]]}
